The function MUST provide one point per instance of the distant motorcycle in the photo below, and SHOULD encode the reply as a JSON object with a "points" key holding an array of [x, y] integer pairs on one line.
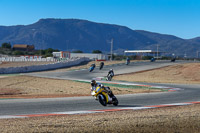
{"points": [[153, 59], [127, 62], [103, 97], [109, 77], [101, 65], [92, 67], [173, 60]]}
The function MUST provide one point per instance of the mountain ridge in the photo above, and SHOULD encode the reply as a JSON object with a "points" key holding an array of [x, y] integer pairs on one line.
{"points": [[70, 34]]}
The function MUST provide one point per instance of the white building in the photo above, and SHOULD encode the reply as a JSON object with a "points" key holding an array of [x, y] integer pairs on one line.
{"points": [[65, 54], [90, 56], [61, 54]]}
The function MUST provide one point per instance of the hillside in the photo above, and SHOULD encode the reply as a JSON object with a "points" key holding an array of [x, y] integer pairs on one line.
{"points": [[73, 34]]}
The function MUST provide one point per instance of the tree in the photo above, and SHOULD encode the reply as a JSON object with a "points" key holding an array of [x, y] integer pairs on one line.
{"points": [[96, 51], [48, 55], [77, 51], [147, 57], [49, 50], [6, 45], [18, 53]]}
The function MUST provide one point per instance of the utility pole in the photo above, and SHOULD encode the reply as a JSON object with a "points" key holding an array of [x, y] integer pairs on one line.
{"points": [[157, 50], [111, 49], [67, 44]]}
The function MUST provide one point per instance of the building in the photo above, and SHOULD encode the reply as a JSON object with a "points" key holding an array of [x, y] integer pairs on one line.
{"points": [[23, 47], [66, 54], [141, 52], [61, 54], [90, 56]]}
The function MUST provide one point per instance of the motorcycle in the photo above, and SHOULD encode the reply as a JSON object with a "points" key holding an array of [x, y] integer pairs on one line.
{"points": [[92, 67], [109, 77], [102, 96], [173, 60], [127, 62], [153, 59], [101, 65]]}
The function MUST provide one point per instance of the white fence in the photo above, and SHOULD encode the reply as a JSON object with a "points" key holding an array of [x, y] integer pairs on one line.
{"points": [[53, 65], [20, 59]]}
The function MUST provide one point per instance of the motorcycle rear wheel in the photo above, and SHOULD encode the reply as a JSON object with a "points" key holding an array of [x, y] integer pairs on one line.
{"points": [[115, 102]]}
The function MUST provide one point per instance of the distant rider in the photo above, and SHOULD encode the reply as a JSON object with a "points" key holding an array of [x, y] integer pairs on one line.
{"points": [[111, 72], [101, 65], [93, 65], [127, 60]]}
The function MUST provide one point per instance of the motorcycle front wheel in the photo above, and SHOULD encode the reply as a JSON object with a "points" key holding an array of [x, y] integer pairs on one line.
{"points": [[109, 78], [102, 100]]}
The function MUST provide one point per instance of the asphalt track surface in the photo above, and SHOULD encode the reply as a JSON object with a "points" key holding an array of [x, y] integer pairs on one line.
{"points": [[188, 93]]}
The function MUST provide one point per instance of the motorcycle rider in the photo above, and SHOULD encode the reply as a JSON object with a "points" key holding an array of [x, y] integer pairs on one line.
{"points": [[94, 84], [93, 65], [111, 72], [127, 60], [101, 65]]}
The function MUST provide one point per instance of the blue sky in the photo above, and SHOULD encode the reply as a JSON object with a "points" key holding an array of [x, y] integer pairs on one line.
{"points": [[176, 17]]}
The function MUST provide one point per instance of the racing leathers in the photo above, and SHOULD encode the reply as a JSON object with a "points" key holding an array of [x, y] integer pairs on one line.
{"points": [[111, 72]]}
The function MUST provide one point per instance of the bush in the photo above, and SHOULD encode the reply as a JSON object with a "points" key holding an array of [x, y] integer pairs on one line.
{"points": [[6, 45], [147, 57], [96, 52], [18, 53], [77, 51]]}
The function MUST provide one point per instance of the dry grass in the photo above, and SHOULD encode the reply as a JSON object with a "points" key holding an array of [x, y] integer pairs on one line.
{"points": [[25, 86], [182, 119], [35, 87], [182, 73]]}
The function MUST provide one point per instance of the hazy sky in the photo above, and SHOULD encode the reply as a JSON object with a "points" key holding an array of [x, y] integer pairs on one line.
{"points": [[176, 17]]}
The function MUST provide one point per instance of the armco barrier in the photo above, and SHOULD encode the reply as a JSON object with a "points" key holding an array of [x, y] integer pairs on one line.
{"points": [[56, 65]]}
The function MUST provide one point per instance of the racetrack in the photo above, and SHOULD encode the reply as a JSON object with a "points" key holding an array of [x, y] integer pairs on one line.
{"points": [[188, 93]]}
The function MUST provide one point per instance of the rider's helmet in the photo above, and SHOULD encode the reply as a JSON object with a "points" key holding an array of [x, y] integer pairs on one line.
{"points": [[111, 70], [102, 86], [93, 83]]}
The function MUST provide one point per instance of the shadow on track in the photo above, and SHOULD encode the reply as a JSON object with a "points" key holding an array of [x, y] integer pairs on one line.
{"points": [[121, 105]]}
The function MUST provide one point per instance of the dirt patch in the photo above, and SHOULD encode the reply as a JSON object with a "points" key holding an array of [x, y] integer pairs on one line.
{"points": [[9, 91], [181, 73], [35, 87], [182, 119]]}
